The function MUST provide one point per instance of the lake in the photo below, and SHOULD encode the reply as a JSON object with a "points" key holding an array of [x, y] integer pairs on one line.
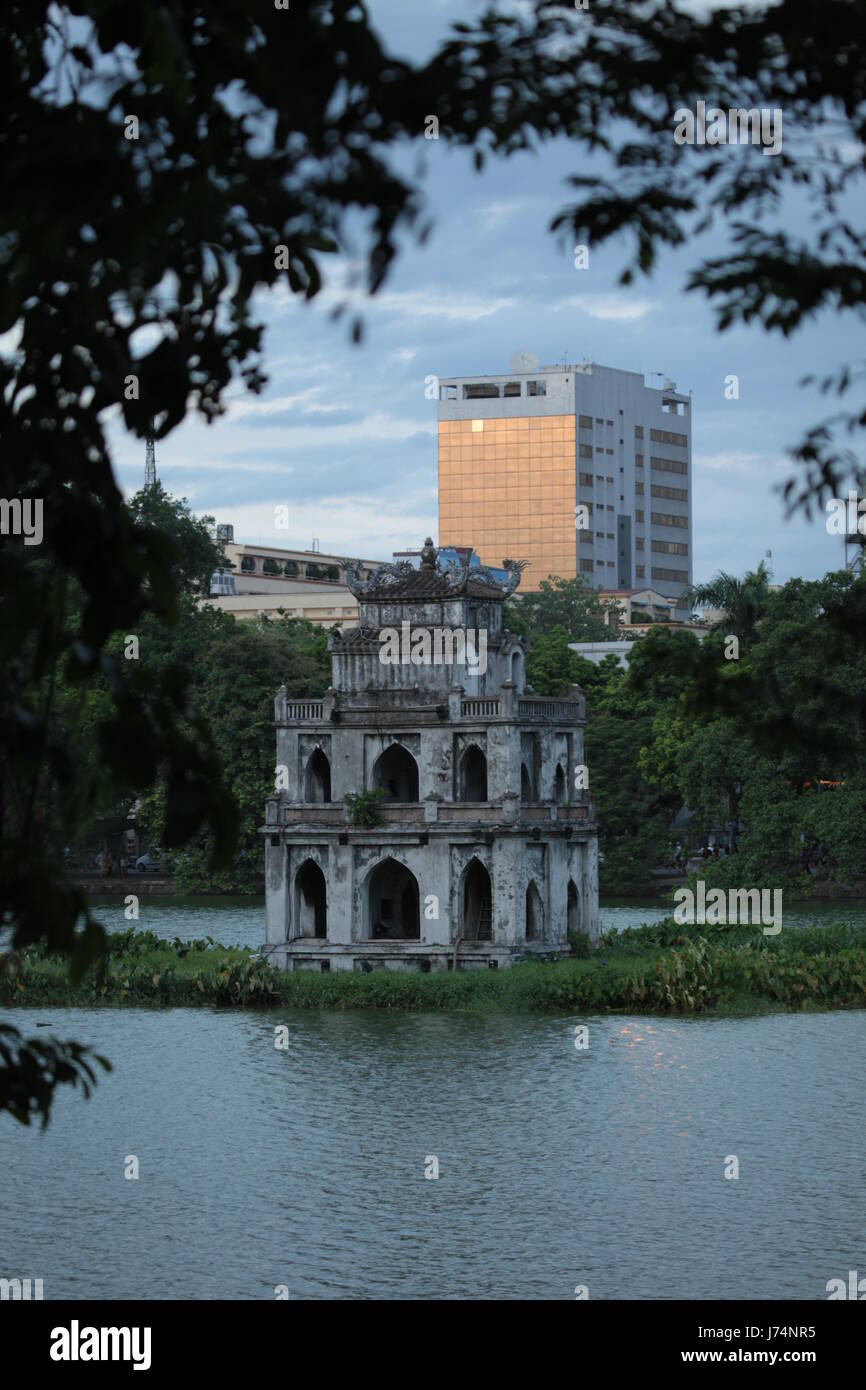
{"points": [[231, 921], [305, 1167]]}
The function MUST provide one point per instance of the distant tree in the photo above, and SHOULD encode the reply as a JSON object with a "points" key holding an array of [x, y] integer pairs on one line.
{"points": [[191, 553], [232, 668], [146, 207], [569, 604], [552, 666], [742, 601]]}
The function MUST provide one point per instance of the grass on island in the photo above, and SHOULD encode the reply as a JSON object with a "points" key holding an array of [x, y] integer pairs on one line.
{"points": [[661, 968]]}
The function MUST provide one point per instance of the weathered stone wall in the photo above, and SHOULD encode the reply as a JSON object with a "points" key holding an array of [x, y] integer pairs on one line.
{"points": [[434, 712]]}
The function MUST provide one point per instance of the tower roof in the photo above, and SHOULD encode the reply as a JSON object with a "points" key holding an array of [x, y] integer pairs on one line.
{"points": [[432, 581]]}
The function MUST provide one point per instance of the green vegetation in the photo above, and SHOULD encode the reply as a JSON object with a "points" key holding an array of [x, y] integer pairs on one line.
{"points": [[234, 669], [223, 675], [363, 807], [169, 238], [661, 968], [562, 606], [142, 968], [770, 739]]}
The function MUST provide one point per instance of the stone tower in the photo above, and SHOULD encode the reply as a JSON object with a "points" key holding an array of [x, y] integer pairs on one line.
{"points": [[484, 849]]}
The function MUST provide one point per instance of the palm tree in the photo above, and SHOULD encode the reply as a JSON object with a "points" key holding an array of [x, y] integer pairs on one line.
{"points": [[742, 600]]}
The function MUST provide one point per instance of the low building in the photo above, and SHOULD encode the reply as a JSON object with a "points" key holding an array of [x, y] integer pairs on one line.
{"points": [[597, 651], [636, 607], [276, 579], [482, 848]]}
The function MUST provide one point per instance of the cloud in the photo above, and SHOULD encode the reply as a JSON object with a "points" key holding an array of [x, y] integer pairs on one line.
{"points": [[362, 525], [608, 306], [457, 306], [729, 461], [498, 214], [304, 401]]}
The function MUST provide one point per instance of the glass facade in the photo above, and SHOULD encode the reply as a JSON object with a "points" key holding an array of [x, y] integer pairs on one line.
{"points": [[508, 488]]}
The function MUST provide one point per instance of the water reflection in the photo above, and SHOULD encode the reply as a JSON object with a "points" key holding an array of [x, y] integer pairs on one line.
{"points": [[557, 1167]]}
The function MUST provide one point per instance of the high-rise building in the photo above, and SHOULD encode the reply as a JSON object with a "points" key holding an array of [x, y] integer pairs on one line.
{"points": [[577, 468]]}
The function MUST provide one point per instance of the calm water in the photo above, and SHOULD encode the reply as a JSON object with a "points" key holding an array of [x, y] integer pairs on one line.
{"points": [[231, 921], [557, 1167]]}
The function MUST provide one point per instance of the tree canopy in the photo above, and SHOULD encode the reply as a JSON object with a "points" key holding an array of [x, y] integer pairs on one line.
{"points": [[164, 163]]}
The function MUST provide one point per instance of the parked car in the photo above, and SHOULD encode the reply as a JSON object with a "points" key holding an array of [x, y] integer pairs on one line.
{"points": [[146, 864]]}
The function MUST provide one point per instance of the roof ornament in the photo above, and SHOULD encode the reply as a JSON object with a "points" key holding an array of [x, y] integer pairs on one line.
{"points": [[384, 576], [514, 570], [430, 579]]}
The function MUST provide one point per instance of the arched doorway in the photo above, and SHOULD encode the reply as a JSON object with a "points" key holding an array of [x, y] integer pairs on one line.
{"points": [[477, 916], [534, 914], [472, 778], [318, 780], [396, 772], [517, 669], [311, 908], [573, 920], [392, 903]]}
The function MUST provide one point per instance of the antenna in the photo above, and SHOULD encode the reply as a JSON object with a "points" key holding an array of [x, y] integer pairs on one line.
{"points": [[149, 457], [854, 562]]}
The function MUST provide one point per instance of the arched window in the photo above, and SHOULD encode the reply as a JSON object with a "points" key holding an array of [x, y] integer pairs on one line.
{"points": [[472, 777], [573, 907], [525, 784], [534, 914], [559, 785], [477, 916], [392, 903], [396, 772], [290, 568], [317, 786], [248, 564], [517, 668], [311, 911]]}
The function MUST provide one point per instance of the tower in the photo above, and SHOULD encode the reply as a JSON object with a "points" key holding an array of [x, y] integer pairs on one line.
{"points": [[149, 460], [482, 846], [584, 470]]}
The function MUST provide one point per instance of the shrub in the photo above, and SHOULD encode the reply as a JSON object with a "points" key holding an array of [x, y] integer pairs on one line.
{"points": [[363, 807]]}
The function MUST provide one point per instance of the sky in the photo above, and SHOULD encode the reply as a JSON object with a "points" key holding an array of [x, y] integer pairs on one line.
{"points": [[345, 436]]}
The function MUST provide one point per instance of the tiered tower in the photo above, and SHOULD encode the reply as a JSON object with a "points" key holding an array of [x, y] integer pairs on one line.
{"points": [[484, 849]]}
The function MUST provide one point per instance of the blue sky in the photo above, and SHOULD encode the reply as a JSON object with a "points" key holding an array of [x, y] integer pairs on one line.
{"points": [[345, 437]]}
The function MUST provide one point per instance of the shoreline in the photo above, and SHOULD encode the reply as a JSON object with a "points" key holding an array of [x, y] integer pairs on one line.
{"points": [[659, 969]]}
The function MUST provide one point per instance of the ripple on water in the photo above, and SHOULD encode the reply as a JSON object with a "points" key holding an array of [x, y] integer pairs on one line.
{"points": [[557, 1168]]}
